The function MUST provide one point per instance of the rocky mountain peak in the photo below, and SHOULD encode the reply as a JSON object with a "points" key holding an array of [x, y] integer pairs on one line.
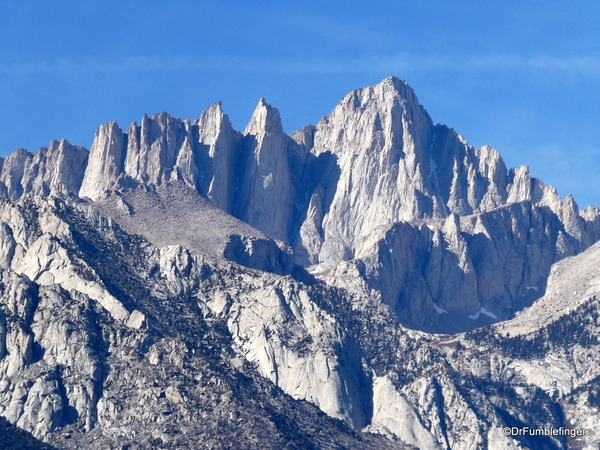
{"points": [[212, 120], [389, 89], [265, 119], [158, 308], [377, 160], [53, 170], [105, 164], [571, 218], [266, 193]]}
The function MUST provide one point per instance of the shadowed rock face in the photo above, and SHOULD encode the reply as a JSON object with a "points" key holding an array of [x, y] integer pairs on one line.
{"points": [[186, 276]]}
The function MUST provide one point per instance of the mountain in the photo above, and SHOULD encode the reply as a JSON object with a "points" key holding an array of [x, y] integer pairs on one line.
{"points": [[371, 281]]}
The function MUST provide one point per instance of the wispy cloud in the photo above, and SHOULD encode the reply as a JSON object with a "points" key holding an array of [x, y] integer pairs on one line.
{"points": [[587, 65], [579, 65]]}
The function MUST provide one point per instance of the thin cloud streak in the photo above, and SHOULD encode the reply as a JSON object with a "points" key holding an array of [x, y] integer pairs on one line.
{"points": [[581, 65], [586, 65]]}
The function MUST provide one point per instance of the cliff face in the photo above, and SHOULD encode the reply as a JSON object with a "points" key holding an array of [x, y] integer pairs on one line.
{"points": [[89, 312], [57, 169], [230, 275], [394, 165], [377, 160], [107, 340]]}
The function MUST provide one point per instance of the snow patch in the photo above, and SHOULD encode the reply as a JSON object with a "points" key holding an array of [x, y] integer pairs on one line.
{"points": [[474, 316], [267, 180], [483, 311], [535, 288], [487, 313], [438, 309]]}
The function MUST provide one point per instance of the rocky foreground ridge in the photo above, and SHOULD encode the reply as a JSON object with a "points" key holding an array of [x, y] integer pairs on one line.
{"points": [[183, 283]]}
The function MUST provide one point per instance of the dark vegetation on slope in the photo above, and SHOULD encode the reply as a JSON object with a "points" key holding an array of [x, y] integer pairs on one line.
{"points": [[577, 327]]}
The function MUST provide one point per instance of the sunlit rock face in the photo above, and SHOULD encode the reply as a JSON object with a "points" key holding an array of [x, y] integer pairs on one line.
{"points": [[184, 284], [55, 170], [376, 161]]}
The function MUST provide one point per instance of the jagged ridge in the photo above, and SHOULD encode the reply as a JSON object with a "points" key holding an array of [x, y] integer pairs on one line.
{"points": [[335, 192], [105, 333]]}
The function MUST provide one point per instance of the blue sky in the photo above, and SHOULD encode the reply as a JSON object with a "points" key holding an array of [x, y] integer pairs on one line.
{"points": [[521, 76]]}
